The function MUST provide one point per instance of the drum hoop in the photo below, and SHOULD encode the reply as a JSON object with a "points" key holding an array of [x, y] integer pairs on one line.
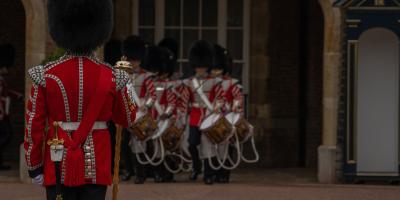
{"points": [[212, 125]]}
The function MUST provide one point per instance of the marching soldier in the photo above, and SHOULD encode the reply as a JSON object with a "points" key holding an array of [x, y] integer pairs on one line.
{"points": [[133, 48], [156, 59], [201, 58], [170, 95], [233, 98], [75, 96]]}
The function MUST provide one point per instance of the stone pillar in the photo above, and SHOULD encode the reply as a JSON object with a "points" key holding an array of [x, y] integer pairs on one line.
{"points": [[258, 69], [36, 34], [332, 61]]}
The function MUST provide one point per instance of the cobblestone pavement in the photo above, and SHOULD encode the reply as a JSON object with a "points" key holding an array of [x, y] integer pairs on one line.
{"points": [[246, 185]]}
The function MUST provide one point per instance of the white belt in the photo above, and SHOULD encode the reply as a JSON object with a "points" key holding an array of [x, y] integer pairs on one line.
{"points": [[73, 126], [199, 105]]}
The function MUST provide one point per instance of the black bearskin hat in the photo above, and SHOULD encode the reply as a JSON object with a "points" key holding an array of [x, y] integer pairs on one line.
{"points": [[134, 47], [80, 26], [7, 55], [171, 63], [155, 60], [172, 45], [201, 54], [223, 59], [112, 51]]}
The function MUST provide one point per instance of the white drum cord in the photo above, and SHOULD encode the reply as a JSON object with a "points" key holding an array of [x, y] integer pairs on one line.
{"points": [[255, 152], [234, 165], [152, 160], [179, 168], [226, 156]]}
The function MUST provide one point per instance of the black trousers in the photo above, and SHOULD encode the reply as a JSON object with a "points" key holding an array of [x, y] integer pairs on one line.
{"points": [[112, 130], [86, 192], [126, 152], [224, 173], [194, 142], [5, 136], [208, 171], [140, 169]]}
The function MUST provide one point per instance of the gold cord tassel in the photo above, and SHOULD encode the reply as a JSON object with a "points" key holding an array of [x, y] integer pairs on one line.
{"points": [[117, 158]]}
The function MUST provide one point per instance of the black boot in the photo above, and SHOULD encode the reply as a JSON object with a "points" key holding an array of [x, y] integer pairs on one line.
{"points": [[126, 176], [208, 181], [139, 180], [193, 176]]}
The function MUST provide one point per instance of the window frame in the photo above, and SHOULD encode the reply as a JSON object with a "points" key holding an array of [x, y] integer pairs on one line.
{"points": [[222, 30]]}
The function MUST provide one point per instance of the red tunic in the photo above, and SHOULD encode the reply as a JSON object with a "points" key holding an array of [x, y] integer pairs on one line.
{"points": [[168, 97], [198, 108], [62, 91], [233, 92]]}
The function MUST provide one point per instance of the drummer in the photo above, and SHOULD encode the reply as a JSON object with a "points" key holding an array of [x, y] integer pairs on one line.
{"points": [[134, 49], [165, 100], [170, 96], [201, 59], [233, 99]]}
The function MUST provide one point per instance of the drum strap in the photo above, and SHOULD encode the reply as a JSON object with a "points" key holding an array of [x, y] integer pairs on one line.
{"points": [[200, 92]]}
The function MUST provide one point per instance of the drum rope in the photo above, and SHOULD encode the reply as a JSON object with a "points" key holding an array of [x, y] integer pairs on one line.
{"points": [[169, 167], [151, 160], [239, 155], [257, 156], [210, 161]]}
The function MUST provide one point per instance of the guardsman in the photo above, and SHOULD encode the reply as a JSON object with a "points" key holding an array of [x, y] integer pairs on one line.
{"points": [[201, 59], [133, 49], [233, 99], [74, 97], [165, 104]]}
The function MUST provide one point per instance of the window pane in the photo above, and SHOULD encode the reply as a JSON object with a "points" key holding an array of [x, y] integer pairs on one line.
{"points": [[210, 13], [191, 12], [147, 12], [189, 36], [172, 12], [173, 33], [210, 35], [147, 35], [235, 13], [235, 43]]}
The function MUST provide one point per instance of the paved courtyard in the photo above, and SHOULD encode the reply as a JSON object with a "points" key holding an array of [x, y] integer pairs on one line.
{"points": [[246, 185]]}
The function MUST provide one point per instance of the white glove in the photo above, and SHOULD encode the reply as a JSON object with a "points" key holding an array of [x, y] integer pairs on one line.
{"points": [[38, 180]]}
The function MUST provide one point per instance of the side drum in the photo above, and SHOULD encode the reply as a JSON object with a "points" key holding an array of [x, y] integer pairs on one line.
{"points": [[172, 137], [242, 127], [217, 128], [144, 126]]}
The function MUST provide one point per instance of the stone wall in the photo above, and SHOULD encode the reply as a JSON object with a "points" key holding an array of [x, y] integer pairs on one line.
{"points": [[275, 81]]}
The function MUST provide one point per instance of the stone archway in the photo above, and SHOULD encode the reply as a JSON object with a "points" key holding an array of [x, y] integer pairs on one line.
{"points": [[259, 104], [35, 52], [36, 30], [327, 152]]}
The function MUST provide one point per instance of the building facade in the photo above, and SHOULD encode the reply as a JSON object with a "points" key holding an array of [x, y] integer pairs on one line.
{"points": [[290, 55]]}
